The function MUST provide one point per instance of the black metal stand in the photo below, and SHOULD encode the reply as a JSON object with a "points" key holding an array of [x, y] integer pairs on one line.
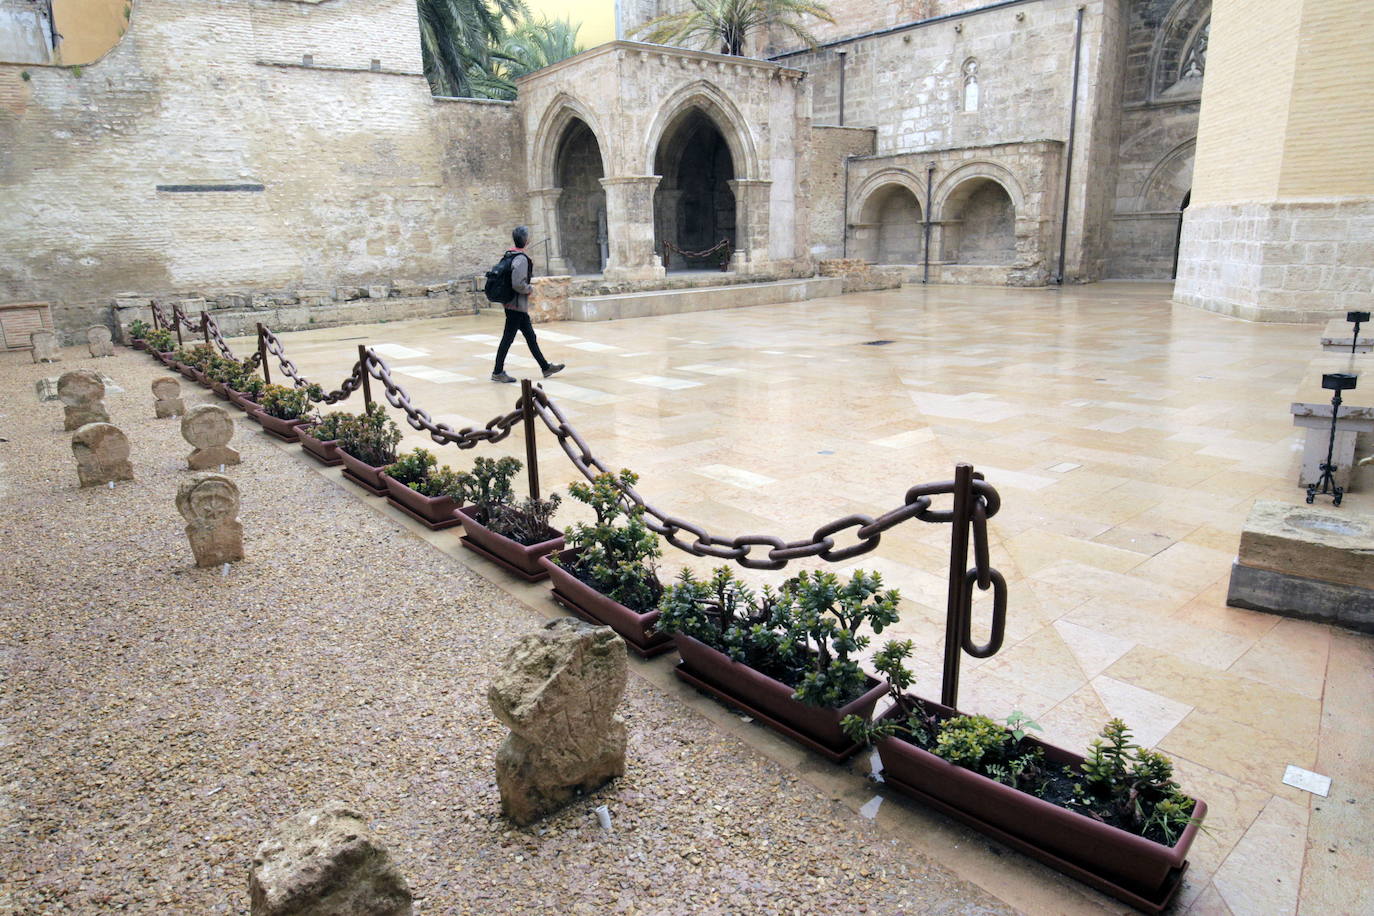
{"points": [[1326, 483], [1356, 318]]}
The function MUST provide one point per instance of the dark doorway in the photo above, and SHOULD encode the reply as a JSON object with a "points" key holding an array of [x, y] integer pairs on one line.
{"points": [[1178, 233], [582, 205], [694, 208]]}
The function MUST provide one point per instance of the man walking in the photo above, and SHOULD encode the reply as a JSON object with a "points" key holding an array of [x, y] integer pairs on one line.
{"points": [[518, 309]]}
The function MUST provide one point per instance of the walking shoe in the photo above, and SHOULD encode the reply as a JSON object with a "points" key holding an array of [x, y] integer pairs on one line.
{"points": [[553, 369], [501, 377]]}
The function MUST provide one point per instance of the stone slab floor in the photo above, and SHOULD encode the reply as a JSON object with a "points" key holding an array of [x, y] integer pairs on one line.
{"points": [[1128, 438]]}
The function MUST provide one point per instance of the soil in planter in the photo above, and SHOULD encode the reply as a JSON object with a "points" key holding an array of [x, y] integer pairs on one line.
{"points": [[1054, 785], [480, 517]]}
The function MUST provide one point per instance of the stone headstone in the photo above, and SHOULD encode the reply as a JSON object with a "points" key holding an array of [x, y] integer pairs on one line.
{"points": [[558, 691], [208, 427], [99, 340], [326, 862], [102, 455], [210, 503], [82, 391], [167, 391], [44, 343]]}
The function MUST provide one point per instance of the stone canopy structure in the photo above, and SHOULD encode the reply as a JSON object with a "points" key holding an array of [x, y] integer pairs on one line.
{"points": [[273, 152]]}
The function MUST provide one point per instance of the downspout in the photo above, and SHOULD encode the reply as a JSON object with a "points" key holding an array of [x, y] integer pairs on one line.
{"points": [[844, 211], [1073, 127], [842, 55], [925, 268]]}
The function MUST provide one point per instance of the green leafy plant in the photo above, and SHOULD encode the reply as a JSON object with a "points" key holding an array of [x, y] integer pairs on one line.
{"points": [[829, 616], [1131, 787], [491, 484], [1018, 722], [527, 522], [330, 426], [726, 24], [419, 470], [371, 437], [160, 341], [617, 551], [288, 403], [967, 741], [197, 357], [138, 329], [490, 488], [25, 75], [728, 616]]}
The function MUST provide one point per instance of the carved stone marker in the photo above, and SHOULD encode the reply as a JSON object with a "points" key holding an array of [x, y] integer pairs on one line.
{"points": [[168, 393], [46, 389], [102, 455], [557, 692], [99, 340], [326, 862], [209, 428], [210, 503], [82, 391], [44, 343]]}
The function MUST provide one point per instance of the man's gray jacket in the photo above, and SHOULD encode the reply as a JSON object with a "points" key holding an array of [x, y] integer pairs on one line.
{"points": [[521, 268]]}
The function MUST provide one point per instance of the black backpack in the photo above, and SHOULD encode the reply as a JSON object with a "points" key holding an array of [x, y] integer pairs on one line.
{"points": [[499, 287]]}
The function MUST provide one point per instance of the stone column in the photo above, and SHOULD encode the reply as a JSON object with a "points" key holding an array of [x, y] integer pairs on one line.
{"points": [[665, 219], [751, 224], [630, 220], [545, 213]]}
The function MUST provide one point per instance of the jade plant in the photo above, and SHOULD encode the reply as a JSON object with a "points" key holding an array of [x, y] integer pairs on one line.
{"points": [[289, 403], [1119, 783], [329, 427], [618, 550], [805, 634], [418, 469], [490, 489], [371, 437], [197, 357], [138, 329], [160, 341]]}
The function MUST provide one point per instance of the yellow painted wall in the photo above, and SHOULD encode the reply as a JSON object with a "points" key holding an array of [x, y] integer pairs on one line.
{"points": [[89, 28], [597, 17], [1329, 144]]}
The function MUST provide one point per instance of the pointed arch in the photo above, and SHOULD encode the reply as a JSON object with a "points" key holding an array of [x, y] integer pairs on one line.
{"points": [[560, 113], [1160, 189], [715, 105]]}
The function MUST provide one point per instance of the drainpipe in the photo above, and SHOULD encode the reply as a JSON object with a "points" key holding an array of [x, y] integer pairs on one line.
{"points": [[842, 61], [844, 211], [1073, 127], [925, 268]]}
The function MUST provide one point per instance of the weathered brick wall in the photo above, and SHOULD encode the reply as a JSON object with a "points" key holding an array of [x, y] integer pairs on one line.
{"points": [[859, 276], [826, 185], [364, 177]]}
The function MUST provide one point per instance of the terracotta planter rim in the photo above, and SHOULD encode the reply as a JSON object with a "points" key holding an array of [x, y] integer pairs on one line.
{"points": [[468, 517], [862, 699]]}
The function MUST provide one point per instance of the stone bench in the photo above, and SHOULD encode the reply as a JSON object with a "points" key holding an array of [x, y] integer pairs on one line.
{"points": [[1339, 333], [1312, 411]]}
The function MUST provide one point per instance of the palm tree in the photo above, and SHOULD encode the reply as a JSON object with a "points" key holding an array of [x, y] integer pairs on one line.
{"points": [[729, 22], [456, 38], [532, 45]]}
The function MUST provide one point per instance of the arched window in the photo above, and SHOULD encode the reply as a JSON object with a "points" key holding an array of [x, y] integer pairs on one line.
{"points": [[971, 91]]}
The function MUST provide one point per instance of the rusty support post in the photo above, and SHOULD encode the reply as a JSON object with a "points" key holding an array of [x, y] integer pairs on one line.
{"points": [[531, 452], [177, 315], [157, 323], [956, 617], [262, 356], [205, 326], [362, 371]]}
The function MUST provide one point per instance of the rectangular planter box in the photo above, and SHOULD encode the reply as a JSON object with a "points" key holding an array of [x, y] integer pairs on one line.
{"points": [[285, 430], [363, 474], [241, 401], [1141, 872], [586, 602], [326, 452], [511, 555], [434, 512], [771, 701]]}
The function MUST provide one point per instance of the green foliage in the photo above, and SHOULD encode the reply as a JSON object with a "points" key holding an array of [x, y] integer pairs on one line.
{"points": [[1132, 787], [160, 341], [25, 75], [288, 403], [617, 559], [240, 375], [138, 329], [329, 427], [413, 467], [527, 522], [197, 357], [531, 45], [77, 71], [728, 616], [967, 741], [490, 484], [1018, 722], [456, 42], [371, 436], [725, 25]]}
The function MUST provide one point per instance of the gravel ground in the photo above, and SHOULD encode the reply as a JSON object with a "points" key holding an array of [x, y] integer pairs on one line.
{"points": [[158, 718]]}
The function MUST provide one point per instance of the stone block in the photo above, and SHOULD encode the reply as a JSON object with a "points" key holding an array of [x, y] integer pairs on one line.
{"points": [[1329, 545], [46, 389], [1297, 596], [44, 344], [208, 427], [82, 391], [210, 505], [378, 292], [102, 455]]}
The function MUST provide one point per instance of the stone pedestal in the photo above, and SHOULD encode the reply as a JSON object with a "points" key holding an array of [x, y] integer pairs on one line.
{"points": [[630, 209], [1312, 562], [1339, 335]]}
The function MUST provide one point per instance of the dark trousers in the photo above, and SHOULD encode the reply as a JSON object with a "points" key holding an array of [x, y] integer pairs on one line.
{"points": [[518, 321]]}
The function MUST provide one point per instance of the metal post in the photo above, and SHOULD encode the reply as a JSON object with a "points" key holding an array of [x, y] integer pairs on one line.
{"points": [[176, 320], [205, 327], [531, 453], [157, 323], [1068, 153], [262, 356], [956, 617], [366, 376], [925, 266]]}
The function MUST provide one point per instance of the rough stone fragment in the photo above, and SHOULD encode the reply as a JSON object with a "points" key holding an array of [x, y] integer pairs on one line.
{"points": [[167, 390], [46, 389], [44, 343], [210, 503], [82, 391], [326, 862], [378, 292], [102, 454], [558, 691], [99, 341], [208, 427], [346, 293]]}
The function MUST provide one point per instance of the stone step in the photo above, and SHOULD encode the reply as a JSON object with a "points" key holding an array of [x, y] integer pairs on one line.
{"points": [[700, 299]]}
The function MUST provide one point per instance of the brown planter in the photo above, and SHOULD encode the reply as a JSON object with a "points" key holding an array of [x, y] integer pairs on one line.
{"points": [[434, 512], [138, 343], [166, 360], [771, 701], [241, 401], [363, 474], [285, 430], [586, 602], [326, 451], [1126, 865], [511, 556]]}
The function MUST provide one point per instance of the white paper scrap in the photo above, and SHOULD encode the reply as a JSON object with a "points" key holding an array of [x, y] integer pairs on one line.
{"points": [[1306, 780]]}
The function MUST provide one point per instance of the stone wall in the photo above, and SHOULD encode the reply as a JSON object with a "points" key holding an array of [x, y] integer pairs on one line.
{"points": [[826, 186], [343, 172], [859, 276]]}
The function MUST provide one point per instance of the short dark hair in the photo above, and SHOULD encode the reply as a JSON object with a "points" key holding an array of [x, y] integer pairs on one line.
{"points": [[520, 235]]}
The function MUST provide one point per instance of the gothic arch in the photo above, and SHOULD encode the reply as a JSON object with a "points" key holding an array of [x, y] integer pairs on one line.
{"points": [[716, 105], [880, 180], [560, 113], [1161, 189], [1176, 34], [992, 171]]}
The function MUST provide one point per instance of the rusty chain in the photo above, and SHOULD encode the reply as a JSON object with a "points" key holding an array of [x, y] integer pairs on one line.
{"points": [[272, 345], [915, 505], [722, 247], [468, 437]]}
